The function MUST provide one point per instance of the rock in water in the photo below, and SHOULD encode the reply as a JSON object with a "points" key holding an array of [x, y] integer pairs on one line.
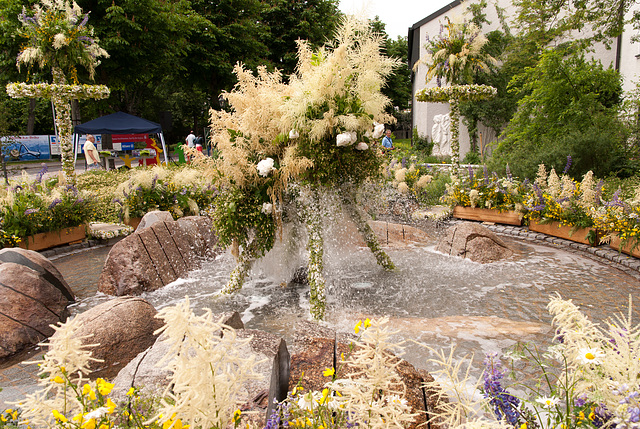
{"points": [[122, 328], [33, 296], [475, 242]]}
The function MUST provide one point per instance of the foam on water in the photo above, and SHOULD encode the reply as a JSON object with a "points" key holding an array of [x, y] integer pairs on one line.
{"points": [[433, 299]]}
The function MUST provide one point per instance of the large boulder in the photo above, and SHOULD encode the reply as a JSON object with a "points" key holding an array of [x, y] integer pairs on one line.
{"points": [[151, 258], [33, 296], [475, 242], [199, 232], [122, 327], [151, 378]]}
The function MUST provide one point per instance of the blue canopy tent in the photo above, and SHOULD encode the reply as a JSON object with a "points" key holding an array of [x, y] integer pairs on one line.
{"points": [[118, 123]]}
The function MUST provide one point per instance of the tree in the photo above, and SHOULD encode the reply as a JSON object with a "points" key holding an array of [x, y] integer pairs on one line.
{"points": [[570, 109], [287, 21]]}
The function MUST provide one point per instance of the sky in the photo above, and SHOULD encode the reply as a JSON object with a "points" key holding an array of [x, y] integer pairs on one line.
{"points": [[398, 15]]}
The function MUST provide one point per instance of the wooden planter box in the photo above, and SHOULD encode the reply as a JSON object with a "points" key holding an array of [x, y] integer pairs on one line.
{"points": [[616, 243], [563, 231], [487, 215], [133, 222], [47, 240]]}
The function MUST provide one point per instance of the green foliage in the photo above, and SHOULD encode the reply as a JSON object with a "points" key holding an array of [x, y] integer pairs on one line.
{"points": [[421, 143], [571, 109], [472, 157], [238, 214], [334, 165], [31, 208]]}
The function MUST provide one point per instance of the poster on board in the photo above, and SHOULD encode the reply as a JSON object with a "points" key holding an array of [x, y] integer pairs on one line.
{"points": [[25, 148]]}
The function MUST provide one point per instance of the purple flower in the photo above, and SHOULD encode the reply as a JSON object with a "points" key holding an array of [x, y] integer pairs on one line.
{"points": [[615, 200], [404, 162], [30, 211], [568, 166], [42, 172], [505, 406], [54, 203], [486, 175], [470, 174]]}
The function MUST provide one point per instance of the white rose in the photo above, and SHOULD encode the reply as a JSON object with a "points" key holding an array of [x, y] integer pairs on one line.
{"points": [[267, 208], [343, 139], [378, 130], [293, 134], [362, 146], [265, 167], [354, 136]]}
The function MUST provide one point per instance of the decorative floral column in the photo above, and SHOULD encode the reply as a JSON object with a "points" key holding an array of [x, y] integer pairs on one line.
{"points": [[359, 218], [61, 95], [312, 213], [454, 95], [57, 37]]}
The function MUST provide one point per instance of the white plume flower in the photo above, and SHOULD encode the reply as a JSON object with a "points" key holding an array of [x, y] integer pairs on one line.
{"points": [[267, 208], [362, 146], [293, 134]]}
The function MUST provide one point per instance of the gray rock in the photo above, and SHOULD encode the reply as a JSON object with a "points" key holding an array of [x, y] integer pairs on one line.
{"points": [[475, 242], [122, 327], [29, 304], [144, 373], [152, 217], [151, 258]]}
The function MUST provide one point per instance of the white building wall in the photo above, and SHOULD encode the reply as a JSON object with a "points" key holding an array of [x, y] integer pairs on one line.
{"points": [[630, 55], [423, 113]]}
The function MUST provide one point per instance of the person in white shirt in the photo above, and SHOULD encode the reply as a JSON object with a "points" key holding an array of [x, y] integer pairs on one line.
{"points": [[91, 154], [191, 138]]}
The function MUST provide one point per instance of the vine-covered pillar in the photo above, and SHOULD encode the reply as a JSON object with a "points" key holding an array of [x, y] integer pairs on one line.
{"points": [[312, 213], [454, 105], [359, 218], [246, 258]]}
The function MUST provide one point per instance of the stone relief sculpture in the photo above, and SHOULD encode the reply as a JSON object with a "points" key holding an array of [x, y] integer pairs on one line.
{"points": [[441, 135]]}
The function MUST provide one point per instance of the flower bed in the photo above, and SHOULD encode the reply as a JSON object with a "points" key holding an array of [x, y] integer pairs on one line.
{"points": [[587, 236], [628, 248], [487, 215], [47, 240]]}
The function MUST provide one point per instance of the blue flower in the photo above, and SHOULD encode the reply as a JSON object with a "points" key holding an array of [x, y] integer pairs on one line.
{"points": [[505, 406]]}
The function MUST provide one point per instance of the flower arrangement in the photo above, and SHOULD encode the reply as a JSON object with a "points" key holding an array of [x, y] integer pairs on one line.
{"points": [[620, 218], [487, 191], [57, 35], [32, 206], [58, 39], [587, 379], [122, 231], [182, 192], [562, 199], [318, 132]]}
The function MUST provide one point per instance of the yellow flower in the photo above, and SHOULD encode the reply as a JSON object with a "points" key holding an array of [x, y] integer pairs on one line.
{"points": [[236, 415], [59, 416], [104, 387], [357, 327], [58, 379], [367, 323], [88, 391], [329, 372], [89, 424], [111, 406], [131, 392], [523, 425]]}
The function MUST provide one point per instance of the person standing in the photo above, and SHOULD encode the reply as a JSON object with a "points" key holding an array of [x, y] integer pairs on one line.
{"points": [[191, 140], [387, 143], [91, 154]]}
